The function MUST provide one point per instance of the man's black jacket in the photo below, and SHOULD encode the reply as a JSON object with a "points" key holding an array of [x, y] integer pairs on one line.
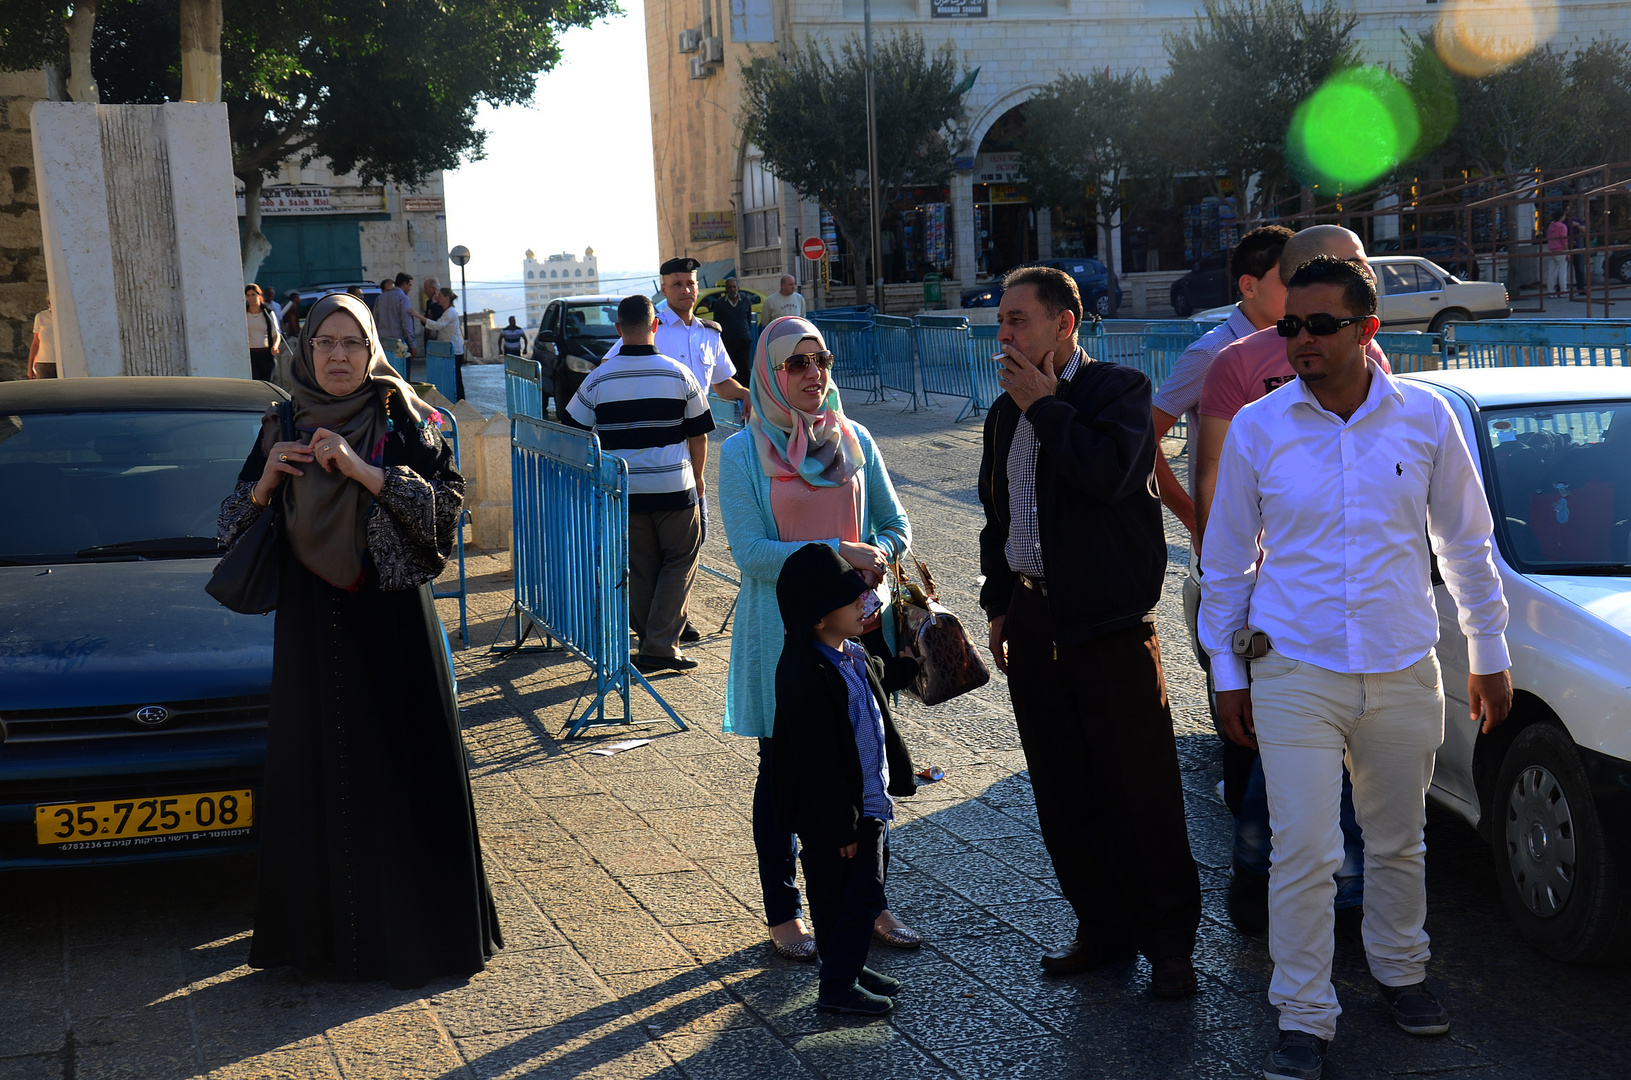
{"points": [[1104, 548], [815, 766]]}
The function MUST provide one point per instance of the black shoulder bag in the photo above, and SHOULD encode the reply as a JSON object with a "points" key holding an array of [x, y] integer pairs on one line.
{"points": [[247, 579]]}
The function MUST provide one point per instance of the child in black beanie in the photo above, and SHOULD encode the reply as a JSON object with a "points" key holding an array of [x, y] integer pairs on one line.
{"points": [[836, 759]]}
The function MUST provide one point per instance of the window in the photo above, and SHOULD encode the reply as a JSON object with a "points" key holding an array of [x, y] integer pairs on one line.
{"points": [[1398, 278], [552, 273], [761, 204], [577, 273], [529, 275]]}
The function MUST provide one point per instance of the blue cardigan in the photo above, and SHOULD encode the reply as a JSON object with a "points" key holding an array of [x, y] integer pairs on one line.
{"points": [[750, 528]]}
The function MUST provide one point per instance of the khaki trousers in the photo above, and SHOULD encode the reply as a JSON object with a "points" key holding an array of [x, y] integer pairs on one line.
{"points": [[663, 549], [1389, 726]]}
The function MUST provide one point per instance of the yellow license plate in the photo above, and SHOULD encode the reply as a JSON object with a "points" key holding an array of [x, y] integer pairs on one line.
{"points": [[128, 823]]}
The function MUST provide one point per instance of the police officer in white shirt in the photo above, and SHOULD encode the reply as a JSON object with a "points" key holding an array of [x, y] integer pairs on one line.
{"points": [[1338, 480]]}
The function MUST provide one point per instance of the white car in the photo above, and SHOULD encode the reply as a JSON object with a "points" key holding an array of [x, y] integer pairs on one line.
{"points": [[1551, 788], [1418, 294]]}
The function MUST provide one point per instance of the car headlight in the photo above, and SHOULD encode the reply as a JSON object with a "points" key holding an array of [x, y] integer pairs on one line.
{"points": [[579, 364]]}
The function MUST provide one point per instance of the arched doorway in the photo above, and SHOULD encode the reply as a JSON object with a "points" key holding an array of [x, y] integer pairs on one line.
{"points": [[1005, 233]]}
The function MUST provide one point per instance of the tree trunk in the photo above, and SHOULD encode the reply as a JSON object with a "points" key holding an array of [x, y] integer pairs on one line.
{"points": [[200, 50], [253, 247], [81, 25]]}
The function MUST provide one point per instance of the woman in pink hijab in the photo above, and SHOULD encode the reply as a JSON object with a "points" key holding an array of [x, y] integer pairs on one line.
{"points": [[801, 472]]}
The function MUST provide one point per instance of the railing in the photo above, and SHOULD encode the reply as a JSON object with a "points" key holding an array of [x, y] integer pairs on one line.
{"points": [[1411, 350], [982, 369], [523, 387], [571, 557], [853, 345], [942, 358], [441, 370], [897, 354], [1508, 343], [451, 423], [727, 414]]}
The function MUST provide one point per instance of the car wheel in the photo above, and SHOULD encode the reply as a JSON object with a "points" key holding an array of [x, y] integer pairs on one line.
{"points": [[1556, 876], [1621, 268], [1449, 315], [1180, 302], [1101, 307]]}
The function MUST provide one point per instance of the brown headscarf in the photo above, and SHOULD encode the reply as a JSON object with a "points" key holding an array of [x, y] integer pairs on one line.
{"points": [[326, 513]]}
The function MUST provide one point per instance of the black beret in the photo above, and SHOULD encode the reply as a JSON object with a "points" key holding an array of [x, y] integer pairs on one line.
{"points": [[682, 265]]}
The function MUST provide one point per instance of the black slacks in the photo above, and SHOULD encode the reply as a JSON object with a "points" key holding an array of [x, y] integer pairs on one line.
{"points": [[1097, 731], [845, 897], [261, 364], [740, 350]]}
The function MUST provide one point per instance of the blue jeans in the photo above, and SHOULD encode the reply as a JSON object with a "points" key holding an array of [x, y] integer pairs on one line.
{"points": [[778, 851], [1254, 839]]}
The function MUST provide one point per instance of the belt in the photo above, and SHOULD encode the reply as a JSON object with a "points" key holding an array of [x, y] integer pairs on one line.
{"points": [[1039, 584]]}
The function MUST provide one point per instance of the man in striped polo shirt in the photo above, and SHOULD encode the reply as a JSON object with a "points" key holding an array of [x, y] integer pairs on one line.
{"points": [[649, 410]]}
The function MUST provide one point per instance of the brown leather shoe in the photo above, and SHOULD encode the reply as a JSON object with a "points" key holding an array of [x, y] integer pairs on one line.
{"points": [[1074, 956], [1173, 977]]}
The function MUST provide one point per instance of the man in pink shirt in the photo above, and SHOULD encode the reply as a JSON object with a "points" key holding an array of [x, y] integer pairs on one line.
{"points": [[1557, 258]]}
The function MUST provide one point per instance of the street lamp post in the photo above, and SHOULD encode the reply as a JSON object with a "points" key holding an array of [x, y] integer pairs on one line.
{"points": [[461, 255], [872, 164]]}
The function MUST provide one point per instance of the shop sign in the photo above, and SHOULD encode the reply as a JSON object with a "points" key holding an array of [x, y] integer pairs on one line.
{"points": [[1007, 193], [957, 9], [424, 204], [713, 225], [997, 167], [293, 200]]}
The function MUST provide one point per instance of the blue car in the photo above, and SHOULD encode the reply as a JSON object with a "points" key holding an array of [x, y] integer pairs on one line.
{"points": [[132, 705], [1101, 294]]}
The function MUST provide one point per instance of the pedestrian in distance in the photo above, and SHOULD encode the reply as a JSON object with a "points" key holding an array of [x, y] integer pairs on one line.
{"points": [[290, 316], [838, 761], [1074, 558], [395, 324], [785, 301], [42, 346], [265, 337], [513, 339], [649, 410], [801, 472], [733, 312], [1556, 259], [1242, 372], [448, 327], [363, 725], [1335, 492]]}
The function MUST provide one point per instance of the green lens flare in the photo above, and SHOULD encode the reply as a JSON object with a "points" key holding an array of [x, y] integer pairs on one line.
{"points": [[1356, 127]]}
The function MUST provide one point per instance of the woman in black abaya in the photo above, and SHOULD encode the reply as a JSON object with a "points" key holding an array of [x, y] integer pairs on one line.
{"points": [[370, 865]]}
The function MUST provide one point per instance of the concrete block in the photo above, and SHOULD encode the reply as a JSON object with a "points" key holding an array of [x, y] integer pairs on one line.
{"points": [[205, 247], [491, 514]]}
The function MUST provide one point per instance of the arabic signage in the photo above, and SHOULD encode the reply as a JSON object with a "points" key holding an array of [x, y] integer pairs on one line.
{"points": [[709, 225], [957, 9], [423, 204]]}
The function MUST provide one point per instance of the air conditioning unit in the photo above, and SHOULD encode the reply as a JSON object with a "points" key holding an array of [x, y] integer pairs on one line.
{"points": [[713, 50], [699, 70], [690, 40]]}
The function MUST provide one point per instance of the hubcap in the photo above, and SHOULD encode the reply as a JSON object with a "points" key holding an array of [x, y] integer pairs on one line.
{"points": [[1540, 841]]}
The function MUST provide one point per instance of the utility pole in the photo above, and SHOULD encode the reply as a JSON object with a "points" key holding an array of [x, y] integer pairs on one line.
{"points": [[872, 165]]}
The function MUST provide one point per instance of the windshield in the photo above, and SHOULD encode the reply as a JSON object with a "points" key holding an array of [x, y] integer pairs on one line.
{"points": [[1563, 481], [141, 483], [591, 320]]}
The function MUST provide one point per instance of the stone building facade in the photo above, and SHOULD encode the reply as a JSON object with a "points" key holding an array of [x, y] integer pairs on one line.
{"points": [[706, 177], [23, 290]]}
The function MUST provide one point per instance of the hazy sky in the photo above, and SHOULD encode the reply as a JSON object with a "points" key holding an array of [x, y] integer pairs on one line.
{"points": [[570, 172]]}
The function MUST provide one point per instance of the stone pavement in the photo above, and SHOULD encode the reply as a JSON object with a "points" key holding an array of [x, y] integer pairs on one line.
{"points": [[635, 944]]}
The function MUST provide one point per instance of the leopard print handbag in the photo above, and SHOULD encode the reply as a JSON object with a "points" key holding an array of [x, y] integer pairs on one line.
{"points": [[948, 664]]}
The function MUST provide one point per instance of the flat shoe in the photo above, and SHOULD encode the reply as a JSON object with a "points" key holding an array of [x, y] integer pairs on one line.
{"points": [[690, 634], [876, 982], [802, 951], [1173, 977], [856, 1000], [899, 937], [663, 663]]}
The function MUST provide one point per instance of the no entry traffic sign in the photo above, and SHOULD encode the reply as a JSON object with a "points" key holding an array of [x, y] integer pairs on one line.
{"points": [[814, 248]]}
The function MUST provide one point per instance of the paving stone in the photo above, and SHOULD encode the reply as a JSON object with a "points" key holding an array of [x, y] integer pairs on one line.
{"points": [[405, 1044], [524, 926], [547, 988], [683, 897], [621, 941], [34, 1014], [941, 1005], [751, 1054], [154, 1043], [309, 1059], [640, 850], [679, 1001], [859, 1049], [619, 1049]]}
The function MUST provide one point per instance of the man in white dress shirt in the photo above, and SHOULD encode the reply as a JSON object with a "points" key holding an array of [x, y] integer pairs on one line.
{"points": [[1338, 480]]}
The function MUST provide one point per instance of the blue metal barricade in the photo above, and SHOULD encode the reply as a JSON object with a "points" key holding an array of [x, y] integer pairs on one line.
{"points": [[1515, 343], [1114, 341], [982, 370], [855, 355], [897, 355], [523, 387], [439, 369], [727, 414], [450, 428], [1410, 350], [571, 557], [942, 357]]}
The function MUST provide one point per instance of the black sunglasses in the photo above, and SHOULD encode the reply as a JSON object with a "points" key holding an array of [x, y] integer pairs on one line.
{"points": [[799, 362], [1320, 325]]}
